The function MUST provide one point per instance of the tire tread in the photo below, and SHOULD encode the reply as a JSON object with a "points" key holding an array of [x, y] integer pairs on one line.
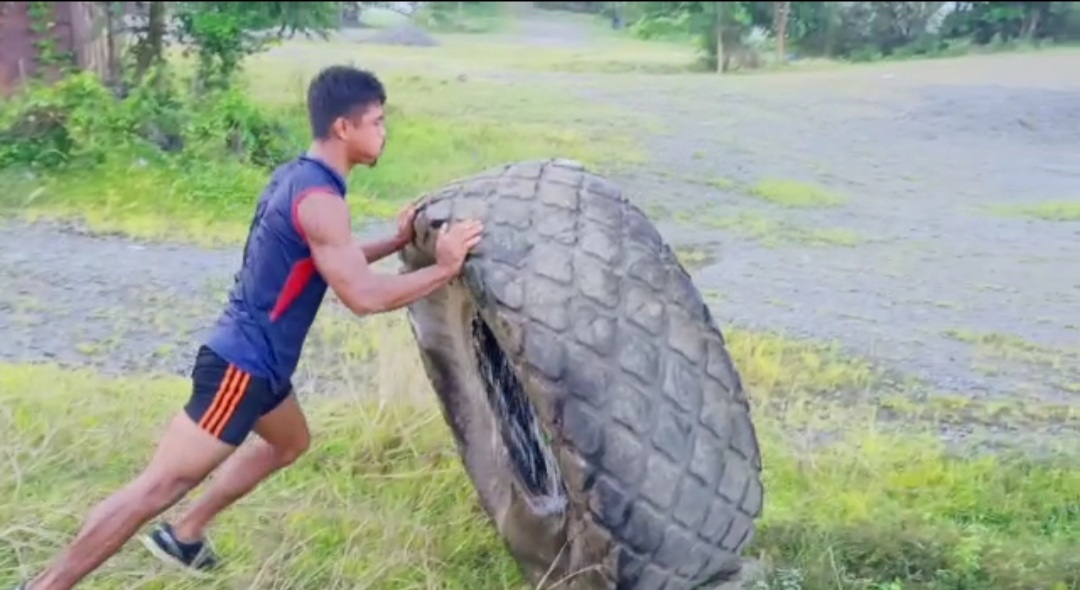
{"points": [[644, 392]]}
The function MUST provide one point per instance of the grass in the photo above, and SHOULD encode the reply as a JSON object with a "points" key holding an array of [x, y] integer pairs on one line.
{"points": [[694, 257], [794, 194], [769, 232], [500, 53], [996, 352], [382, 502], [1059, 210]]}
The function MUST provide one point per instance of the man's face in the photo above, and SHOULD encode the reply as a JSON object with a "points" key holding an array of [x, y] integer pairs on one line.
{"points": [[364, 135]]}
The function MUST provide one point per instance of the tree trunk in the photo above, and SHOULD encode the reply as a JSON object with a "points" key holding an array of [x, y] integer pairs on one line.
{"points": [[150, 50], [1030, 24], [114, 71], [719, 32], [832, 27], [781, 10]]}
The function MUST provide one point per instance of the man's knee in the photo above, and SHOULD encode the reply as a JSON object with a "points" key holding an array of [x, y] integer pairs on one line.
{"points": [[288, 453]]}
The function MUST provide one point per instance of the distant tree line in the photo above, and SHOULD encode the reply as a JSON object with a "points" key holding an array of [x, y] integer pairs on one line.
{"points": [[845, 30]]}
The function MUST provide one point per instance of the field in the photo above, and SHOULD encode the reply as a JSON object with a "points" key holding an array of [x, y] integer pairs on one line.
{"points": [[890, 249]]}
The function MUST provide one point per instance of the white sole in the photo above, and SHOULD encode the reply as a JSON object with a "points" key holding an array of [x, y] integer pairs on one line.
{"points": [[156, 551]]}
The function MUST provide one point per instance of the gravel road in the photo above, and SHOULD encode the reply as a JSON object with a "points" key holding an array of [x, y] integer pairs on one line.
{"points": [[921, 153]]}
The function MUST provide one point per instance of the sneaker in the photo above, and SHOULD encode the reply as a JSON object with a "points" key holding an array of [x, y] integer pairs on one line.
{"points": [[196, 557]]}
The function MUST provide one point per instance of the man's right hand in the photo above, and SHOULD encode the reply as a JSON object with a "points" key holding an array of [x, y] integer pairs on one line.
{"points": [[324, 221], [455, 241]]}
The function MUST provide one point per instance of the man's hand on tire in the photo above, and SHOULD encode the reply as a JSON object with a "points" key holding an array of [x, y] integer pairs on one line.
{"points": [[455, 241], [405, 231]]}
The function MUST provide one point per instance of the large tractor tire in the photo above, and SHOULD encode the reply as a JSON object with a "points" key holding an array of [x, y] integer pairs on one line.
{"points": [[588, 389]]}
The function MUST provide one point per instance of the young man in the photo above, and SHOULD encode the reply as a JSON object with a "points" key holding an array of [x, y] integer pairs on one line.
{"points": [[299, 243]]}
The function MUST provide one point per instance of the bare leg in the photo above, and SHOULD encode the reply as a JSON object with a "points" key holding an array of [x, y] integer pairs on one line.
{"points": [[184, 457], [283, 437]]}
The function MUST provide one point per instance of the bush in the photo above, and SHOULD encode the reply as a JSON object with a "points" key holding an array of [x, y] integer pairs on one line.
{"points": [[50, 127], [79, 122]]}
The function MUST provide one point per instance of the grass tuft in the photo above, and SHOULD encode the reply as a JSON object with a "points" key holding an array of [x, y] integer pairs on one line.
{"points": [[789, 193], [1061, 210]]}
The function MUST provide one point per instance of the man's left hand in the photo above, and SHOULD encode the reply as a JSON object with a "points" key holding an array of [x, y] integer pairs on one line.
{"points": [[405, 230]]}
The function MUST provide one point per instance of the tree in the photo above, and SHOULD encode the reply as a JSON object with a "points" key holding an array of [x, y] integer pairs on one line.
{"points": [[781, 11], [718, 28], [224, 33], [853, 30], [220, 34]]}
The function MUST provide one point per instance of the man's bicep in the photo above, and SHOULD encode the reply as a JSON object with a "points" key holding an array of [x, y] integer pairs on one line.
{"points": [[325, 222]]}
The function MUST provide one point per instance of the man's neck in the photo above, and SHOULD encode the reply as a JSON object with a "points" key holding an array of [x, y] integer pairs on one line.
{"points": [[333, 158]]}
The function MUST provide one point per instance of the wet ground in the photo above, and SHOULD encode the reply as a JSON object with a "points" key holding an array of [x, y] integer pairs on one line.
{"points": [[909, 268]]}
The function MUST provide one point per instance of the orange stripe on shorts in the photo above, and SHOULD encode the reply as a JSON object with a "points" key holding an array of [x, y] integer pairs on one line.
{"points": [[228, 383], [229, 404]]}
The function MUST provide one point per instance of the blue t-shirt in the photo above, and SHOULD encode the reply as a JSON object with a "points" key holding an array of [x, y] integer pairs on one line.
{"points": [[277, 291]]}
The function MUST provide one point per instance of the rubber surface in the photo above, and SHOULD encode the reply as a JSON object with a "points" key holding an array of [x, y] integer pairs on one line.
{"points": [[625, 367]]}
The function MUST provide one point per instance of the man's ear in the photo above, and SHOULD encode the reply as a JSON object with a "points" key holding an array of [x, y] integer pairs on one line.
{"points": [[337, 129]]}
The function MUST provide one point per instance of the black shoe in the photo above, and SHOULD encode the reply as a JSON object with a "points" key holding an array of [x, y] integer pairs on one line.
{"points": [[196, 557]]}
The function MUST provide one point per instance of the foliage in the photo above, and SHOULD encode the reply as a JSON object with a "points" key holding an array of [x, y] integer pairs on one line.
{"points": [[222, 34], [78, 122], [42, 16], [861, 30]]}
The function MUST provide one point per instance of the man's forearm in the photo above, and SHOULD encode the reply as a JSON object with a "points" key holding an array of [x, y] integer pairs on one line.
{"points": [[390, 292], [376, 250]]}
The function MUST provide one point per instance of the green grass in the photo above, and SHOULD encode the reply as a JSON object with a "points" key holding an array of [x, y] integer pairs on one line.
{"points": [[996, 353], [551, 42], [694, 257], [794, 194], [1060, 210], [769, 232], [381, 500]]}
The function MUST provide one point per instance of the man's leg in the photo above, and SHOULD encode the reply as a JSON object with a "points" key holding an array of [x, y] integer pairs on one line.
{"points": [[185, 455], [283, 437], [220, 413]]}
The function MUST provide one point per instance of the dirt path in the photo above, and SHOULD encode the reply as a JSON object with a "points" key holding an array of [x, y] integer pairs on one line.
{"points": [[908, 271], [107, 302]]}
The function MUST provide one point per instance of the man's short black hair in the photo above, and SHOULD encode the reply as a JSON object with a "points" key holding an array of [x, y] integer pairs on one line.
{"points": [[336, 92]]}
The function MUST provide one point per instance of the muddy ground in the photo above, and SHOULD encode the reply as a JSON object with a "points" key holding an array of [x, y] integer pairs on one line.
{"points": [[919, 150]]}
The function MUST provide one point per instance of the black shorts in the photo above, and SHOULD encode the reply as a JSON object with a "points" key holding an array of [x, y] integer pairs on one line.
{"points": [[227, 401]]}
